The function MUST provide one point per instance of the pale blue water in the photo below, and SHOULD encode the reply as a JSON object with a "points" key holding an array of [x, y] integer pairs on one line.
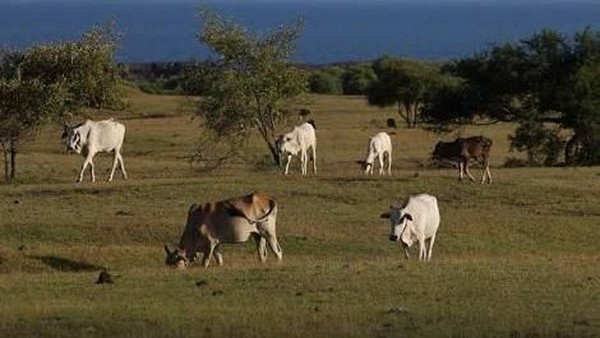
{"points": [[334, 32]]}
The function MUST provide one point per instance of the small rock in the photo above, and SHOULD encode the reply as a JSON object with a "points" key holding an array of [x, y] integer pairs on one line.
{"points": [[105, 278], [124, 213], [397, 309]]}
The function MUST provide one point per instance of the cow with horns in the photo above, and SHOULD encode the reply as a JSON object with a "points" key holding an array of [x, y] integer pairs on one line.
{"points": [[91, 137]]}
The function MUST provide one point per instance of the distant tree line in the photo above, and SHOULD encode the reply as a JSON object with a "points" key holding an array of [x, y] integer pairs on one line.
{"points": [[548, 84]]}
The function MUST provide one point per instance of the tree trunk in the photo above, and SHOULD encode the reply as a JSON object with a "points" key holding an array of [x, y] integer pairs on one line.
{"points": [[13, 159], [402, 108], [264, 132], [274, 153], [415, 121], [6, 163]]}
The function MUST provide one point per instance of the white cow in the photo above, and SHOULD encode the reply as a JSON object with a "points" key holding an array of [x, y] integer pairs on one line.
{"points": [[380, 146], [91, 137], [416, 221], [299, 141]]}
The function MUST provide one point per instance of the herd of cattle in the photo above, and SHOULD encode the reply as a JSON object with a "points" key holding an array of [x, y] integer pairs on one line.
{"points": [[237, 219]]}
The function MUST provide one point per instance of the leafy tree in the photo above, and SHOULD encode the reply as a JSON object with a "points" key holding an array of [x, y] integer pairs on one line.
{"points": [[251, 82], [542, 81], [50, 82], [325, 82], [357, 78], [584, 146], [403, 83]]}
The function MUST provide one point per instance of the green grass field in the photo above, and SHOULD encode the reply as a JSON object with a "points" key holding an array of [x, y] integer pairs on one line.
{"points": [[518, 258]]}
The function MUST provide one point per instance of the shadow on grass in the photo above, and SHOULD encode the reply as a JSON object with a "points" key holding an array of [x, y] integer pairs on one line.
{"points": [[67, 265], [365, 178]]}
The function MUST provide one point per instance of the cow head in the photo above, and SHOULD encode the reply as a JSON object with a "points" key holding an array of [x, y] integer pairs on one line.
{"points": [[176, 258], [286, 145], [399, 220], [437, 151], [365, 166], [72, 139]]}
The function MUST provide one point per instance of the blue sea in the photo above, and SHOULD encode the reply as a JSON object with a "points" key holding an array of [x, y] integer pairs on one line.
{"points": [[334, 31]]}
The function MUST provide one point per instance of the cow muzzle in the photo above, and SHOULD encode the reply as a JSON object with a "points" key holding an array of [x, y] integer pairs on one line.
{"points": [[393, 238]]}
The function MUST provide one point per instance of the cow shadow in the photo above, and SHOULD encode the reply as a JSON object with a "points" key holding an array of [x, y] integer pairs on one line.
{"points": [[365, 178], [67, 265]]}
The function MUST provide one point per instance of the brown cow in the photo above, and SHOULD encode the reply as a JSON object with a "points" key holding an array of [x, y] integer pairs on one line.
{"points": [[230, 221], [462, 150]]}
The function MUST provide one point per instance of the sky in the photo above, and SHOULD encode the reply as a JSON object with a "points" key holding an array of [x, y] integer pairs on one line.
{"points": [[305, 1]]}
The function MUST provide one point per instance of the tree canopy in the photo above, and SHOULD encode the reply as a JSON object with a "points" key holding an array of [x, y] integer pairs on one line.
{"points": [[50, 82], [251, 82], [404, 83], [547, 78]]}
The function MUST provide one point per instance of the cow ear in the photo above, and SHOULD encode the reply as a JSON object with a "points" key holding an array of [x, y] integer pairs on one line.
{"points": [[385, 215], [169, 253], [408, 217]]}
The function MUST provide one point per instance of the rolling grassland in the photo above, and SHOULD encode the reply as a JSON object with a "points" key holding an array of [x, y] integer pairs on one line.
{"points": [[518, 258]]}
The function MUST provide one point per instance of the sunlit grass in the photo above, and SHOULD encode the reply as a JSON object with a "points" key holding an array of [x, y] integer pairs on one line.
{"points": [[515, 258]]}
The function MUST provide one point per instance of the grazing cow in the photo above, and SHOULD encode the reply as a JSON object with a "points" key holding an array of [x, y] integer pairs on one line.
{"points": [[463, 150], [91, 137], [380, 146], [416, 221], [298, 142], [229, 221]]}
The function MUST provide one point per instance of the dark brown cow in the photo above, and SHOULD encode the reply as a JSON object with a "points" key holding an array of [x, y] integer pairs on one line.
{"points": [[462, 150]]}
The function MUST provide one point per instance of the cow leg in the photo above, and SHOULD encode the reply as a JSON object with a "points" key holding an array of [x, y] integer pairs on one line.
{"points": [[122, 165], [314, 155], [287, 165], [261, 247], [460, 170], [431, 241], [389, 157], [380, 159], [92, 171], [85, 164], [405, 249], [88, 161], [304, 161], [114, 166], [208, 252], [466, 169], [487, 172], [218, 255], [422, 250], [274, 245]]}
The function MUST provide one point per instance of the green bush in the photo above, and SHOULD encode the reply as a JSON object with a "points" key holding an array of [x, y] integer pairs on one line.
{"points": [[356, 79], [324, 82]]}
